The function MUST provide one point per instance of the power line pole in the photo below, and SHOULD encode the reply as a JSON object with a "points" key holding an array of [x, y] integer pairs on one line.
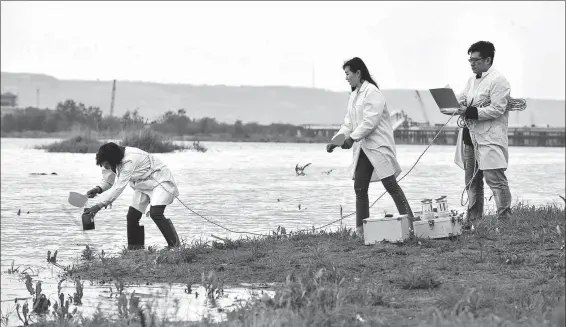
{"points": [[112, 101], [37, 98]]}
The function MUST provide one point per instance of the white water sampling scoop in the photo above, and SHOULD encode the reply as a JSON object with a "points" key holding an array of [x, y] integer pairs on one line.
{"points": [[78, 200], [338, 139]]}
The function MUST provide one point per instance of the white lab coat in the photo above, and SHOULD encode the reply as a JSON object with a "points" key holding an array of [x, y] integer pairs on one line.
{"points": [[489, 131], [368, 123], [150, 178]]}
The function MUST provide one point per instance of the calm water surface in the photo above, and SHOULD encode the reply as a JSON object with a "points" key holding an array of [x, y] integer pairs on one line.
{"points": [[243, 186]]}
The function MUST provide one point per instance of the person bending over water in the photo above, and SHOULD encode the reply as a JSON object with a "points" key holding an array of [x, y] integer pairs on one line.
{"points": [[368, 130], [153, 184]]}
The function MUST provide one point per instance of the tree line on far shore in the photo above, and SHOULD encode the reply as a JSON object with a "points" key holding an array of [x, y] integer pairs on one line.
{"points": [[69, 115]]}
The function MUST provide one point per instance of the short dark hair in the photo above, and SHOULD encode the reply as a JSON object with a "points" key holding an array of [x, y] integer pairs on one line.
{"points": [[485, 48], [111, 152]]}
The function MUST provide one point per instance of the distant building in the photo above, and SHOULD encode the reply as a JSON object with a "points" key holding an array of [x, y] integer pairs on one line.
{"points": [[8, 100], [8, 103]]}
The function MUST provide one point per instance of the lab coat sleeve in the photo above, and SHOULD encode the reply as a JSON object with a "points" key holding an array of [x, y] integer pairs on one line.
{"points": [[123, 179], [108, 178], [499, 97], [374, 103], [346, 127]]}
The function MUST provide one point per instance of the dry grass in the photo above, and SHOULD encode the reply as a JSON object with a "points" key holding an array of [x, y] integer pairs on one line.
{"points": [[76, 144], [145, 139], [150, 141], [504, 273]]}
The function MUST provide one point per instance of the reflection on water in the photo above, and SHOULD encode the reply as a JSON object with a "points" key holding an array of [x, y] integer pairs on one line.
{"points": [[173, 301], [242, 186]]}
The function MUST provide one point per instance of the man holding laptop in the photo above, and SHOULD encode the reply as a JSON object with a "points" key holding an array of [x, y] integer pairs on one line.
{"points": [[482, 146]]}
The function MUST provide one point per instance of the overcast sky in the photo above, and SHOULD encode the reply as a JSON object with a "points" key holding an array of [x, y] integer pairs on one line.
{"points": [[405, 44]]}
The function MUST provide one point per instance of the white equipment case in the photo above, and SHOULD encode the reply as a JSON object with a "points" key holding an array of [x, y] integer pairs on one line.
{"points": [[392, 229]]}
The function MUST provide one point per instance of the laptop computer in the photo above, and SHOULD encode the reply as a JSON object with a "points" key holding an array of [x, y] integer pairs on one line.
{"points": [[445, 98]]}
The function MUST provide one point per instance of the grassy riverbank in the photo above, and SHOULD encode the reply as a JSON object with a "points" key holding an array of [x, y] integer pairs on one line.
{"points": [[144, 139], [508, 273]]}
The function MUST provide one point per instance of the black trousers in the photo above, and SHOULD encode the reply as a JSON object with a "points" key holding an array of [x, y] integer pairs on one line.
{"points": [[155, 212], [362, 178]]}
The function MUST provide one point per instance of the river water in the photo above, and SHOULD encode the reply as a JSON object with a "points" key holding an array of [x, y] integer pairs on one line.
{"points": [[242, 186]]}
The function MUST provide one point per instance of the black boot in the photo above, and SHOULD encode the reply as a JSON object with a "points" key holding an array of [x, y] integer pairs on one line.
{"points": [[168, 230], [136, 238], [136, 233], [165, 225]]}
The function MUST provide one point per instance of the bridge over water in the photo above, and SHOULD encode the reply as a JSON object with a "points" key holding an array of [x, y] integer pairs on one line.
{"points": [[424, 134]]}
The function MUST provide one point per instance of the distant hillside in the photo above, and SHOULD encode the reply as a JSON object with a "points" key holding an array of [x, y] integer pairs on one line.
{"points": [[267, 104]]}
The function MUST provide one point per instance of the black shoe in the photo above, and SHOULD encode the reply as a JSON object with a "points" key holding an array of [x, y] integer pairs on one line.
{"points": [[467, 225], [168, 230], [136, 237]]}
